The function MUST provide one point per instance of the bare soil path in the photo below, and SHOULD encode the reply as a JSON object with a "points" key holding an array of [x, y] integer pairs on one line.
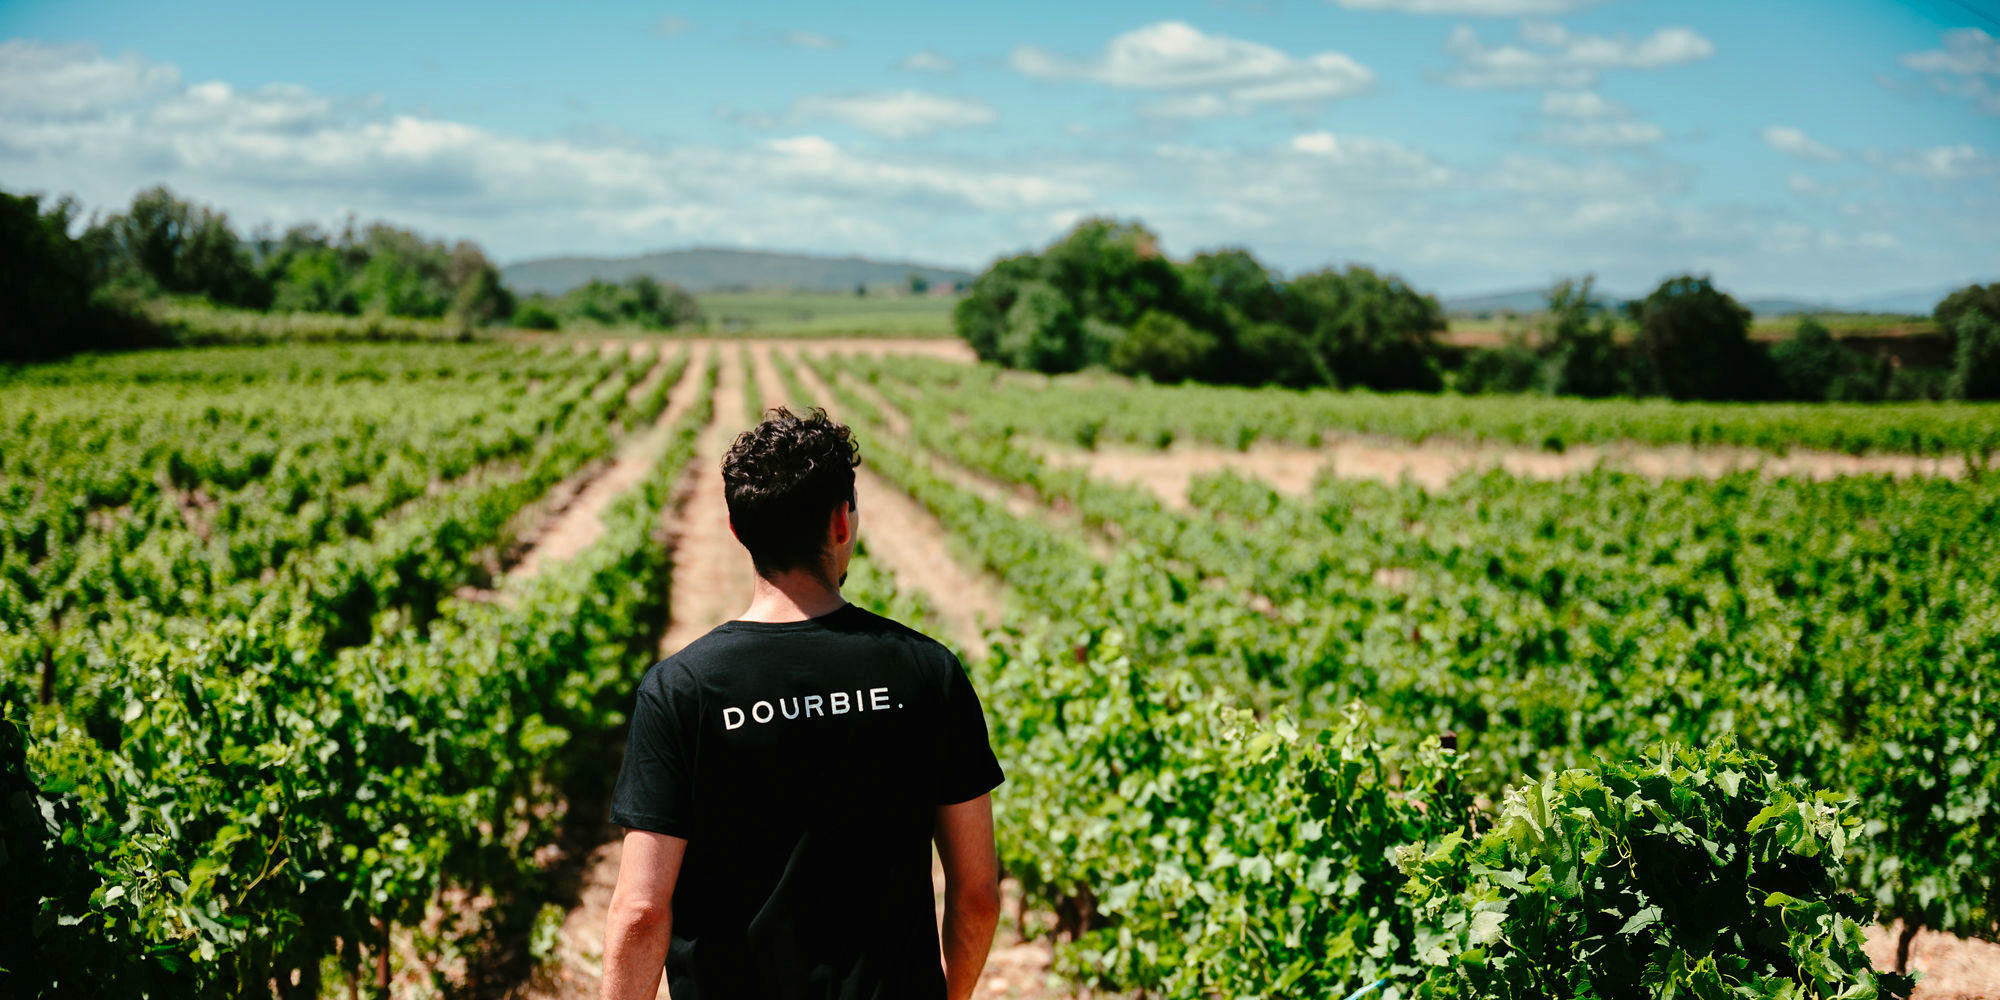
{"points": [[1433, 464], [1020, 499], [711, 582], [1953, 968], [581, 521]]}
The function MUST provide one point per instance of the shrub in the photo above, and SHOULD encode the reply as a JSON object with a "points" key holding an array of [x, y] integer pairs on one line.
{"points": [[535, 314], [1688, 872], [1975, 369], [1812, 366], [1984, 299], [1163, 348], [1696, 342]]}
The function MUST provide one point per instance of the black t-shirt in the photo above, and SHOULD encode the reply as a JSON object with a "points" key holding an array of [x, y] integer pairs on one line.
{"points": [[804, 763]]}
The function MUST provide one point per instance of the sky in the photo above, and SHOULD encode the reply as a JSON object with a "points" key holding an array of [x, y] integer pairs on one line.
{"points": [[1829, 149]]}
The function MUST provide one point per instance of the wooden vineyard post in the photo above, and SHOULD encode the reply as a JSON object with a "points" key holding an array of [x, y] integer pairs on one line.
{"points": [[382, 960]]}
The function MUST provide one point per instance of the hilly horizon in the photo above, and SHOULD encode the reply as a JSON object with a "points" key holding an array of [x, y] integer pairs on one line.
{"points": [[713, 269], [718, 269]]}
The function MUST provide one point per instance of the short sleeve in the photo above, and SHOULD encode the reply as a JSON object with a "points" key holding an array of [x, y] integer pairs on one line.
{"points": [[656, 783], [967, 768]]}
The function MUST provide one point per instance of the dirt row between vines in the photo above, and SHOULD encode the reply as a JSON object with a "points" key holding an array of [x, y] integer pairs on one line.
{"points": [[579, 521], [1019, 499], [1434, 464], [711, 582]]}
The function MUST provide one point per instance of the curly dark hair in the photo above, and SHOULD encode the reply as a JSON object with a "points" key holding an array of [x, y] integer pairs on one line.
{"points": [[782, 479]]}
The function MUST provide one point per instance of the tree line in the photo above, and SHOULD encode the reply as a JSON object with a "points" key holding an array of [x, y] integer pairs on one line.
{"points": [[1105, 296], [77, 284]]}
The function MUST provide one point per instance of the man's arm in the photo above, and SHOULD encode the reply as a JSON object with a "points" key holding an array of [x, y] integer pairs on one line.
{"points": [[971, 891], [641, 921]]}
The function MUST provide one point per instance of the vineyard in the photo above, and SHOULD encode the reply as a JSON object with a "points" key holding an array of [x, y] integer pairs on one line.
{"points": [[311, 647]]}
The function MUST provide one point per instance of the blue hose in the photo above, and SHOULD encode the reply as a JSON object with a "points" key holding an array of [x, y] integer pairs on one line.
{"points": [[1365, 990]]}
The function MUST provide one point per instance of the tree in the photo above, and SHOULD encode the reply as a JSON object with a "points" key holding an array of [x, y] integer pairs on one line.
{"points": [[1163, 348], [1972, 298], [1114, 271], [1580, 340], [162, 243], [1695, 341], [981, 316], [49, 304], [919, 284], [1043, 331], [534, 313], [1975, 369], [1812, 366], [1370, 330]]}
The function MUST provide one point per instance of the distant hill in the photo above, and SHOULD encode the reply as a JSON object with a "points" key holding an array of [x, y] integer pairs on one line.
{"points": [[1522, 301], [715, 269]]}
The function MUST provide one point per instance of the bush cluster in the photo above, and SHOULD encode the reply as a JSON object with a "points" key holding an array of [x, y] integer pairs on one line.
{"points": [[638, 301], [69, 293], [1105, 296]]}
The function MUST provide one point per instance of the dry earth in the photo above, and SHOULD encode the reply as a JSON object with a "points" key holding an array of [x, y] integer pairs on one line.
{"points": [[1020, 500], [1432, 464], [581, 521], [1952, 968]]}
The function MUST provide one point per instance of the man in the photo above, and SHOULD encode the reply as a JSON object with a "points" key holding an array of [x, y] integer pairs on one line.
{"points": [[786, 773]]}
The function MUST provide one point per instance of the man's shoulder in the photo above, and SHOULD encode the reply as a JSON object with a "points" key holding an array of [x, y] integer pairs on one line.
{"points": [[717, 648], [868, 621]]}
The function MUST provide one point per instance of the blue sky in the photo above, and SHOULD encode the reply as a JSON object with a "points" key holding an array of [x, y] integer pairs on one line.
{"points": [[1833, 148]]}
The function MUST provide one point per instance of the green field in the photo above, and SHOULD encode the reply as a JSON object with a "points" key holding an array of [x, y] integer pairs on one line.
{"points": [[279, 689], [794, 314]]}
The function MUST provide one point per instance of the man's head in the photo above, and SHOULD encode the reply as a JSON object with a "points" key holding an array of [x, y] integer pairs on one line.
{"points": [[790, 486]]}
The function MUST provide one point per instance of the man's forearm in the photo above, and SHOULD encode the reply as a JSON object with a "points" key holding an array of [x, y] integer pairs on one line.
{"points": [[969, 921], [635, 953]]}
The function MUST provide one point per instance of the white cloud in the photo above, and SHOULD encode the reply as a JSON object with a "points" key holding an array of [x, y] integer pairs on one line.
{"points": [[1470, 8], [810, 40], [284, 154], [1391, 158], [1786, 139], [70, 79], [1966, 52], [1943, 163], [1202, 104], [1599, 133], [1552, 56], [1580, 104], [929, 61], [1963, 67], [896, 115], [1235, 76]]}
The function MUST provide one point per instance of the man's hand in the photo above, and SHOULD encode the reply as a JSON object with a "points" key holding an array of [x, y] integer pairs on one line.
{"points": [[641, 921], [971, 891]]}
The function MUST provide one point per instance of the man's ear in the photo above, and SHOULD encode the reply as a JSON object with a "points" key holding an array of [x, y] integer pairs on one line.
{"points": [[841, 523]]}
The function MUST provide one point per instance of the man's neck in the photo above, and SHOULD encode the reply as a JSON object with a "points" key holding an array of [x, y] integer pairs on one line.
{"points": [[792, 596]]}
